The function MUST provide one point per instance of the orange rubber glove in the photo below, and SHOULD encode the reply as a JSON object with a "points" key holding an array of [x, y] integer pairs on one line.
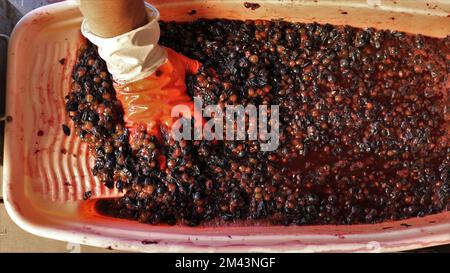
{"points": [[148, 103]]}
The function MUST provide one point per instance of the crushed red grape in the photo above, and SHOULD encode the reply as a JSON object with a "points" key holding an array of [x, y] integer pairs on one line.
{"points": [[364, 124]]}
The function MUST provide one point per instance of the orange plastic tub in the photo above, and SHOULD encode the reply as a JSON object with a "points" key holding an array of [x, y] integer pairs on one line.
{"points": [[46, 173]]}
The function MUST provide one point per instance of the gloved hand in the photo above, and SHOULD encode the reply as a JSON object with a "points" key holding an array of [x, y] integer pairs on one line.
{"points": [[148, 102]]}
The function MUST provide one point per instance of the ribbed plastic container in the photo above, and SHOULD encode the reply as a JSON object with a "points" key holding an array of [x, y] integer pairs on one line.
{"points": [[46, 173]]}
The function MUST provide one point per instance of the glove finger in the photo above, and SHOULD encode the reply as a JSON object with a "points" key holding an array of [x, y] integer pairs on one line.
{"points": [[190, 66]]}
